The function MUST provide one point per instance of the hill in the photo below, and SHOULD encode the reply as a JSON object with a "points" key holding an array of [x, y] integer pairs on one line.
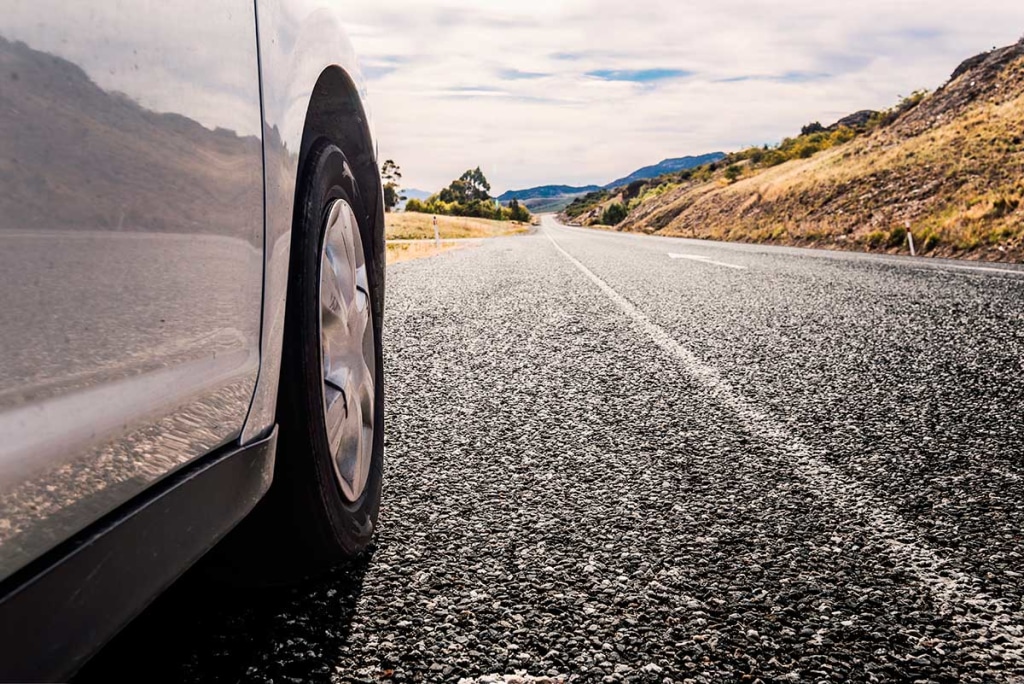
{"points": [[412, 193], [546, 198], [666, 166], [545, 192], [947, 165]]}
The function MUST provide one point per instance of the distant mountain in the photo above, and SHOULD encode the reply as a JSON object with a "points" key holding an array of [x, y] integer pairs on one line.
{"points": [[557, 197], [666, 166], [546, 192], [412, 193]]}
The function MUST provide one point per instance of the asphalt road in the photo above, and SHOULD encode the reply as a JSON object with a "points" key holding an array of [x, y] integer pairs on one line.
{"points": [[606, 463]]}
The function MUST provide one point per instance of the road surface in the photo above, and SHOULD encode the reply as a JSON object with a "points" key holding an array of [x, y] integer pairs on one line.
{"points": [[625, 458]]}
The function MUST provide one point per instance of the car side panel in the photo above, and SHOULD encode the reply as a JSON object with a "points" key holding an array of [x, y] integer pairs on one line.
{"points": [[299, 40], [131, 252]]}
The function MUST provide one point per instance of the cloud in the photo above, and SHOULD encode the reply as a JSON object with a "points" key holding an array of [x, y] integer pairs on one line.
{"points": [[575, 91], [639, 75], [788, 77], [517, 75]]}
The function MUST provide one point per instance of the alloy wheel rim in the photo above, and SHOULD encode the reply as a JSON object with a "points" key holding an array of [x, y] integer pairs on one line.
{"points": [[347, 350]]}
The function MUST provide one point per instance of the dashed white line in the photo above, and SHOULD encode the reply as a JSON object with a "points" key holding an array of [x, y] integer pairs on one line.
{"points": [[988, 625], [704, 260]]}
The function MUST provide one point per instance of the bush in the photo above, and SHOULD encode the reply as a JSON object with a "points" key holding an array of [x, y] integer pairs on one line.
{"points": [[582, 205], [876, 238], [633, 189], [733, 172], [417, 206], [614, 214], [1003, 206], [897, 236], [517, 212]]}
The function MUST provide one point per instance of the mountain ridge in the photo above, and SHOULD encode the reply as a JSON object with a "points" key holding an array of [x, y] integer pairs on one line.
{"points": [[670, 165], [555, 197], [546, 192]]}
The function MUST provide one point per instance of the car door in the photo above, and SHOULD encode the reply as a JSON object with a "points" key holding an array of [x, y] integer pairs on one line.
{"points": [[131, 251]]}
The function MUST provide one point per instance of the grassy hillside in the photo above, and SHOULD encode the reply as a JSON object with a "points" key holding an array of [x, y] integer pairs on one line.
{"points": [[950, 165]]}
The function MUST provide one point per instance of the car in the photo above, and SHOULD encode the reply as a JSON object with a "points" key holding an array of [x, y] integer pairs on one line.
{"points": [[192, 270]]}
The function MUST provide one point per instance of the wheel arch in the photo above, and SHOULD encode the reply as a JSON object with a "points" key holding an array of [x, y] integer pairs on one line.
{"points": [[336, 112], [311, 87]]}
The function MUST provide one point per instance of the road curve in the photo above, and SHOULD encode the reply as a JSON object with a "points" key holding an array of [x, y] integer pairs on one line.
{"points": [[627, 458]]}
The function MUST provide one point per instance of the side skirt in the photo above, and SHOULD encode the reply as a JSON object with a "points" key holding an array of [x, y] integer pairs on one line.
{"points": [[57, 612]]}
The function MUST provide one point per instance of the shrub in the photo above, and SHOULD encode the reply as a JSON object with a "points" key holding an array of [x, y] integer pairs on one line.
{"points": [[517, 212], [582, 205], [1003, 206], [897, 236], [614, 214], [876, 238], [633, 189], [733, 172]]}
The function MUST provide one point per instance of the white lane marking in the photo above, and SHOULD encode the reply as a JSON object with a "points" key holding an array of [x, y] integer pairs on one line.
{"points": [[981, 620], [704, 260], [960, 267]]}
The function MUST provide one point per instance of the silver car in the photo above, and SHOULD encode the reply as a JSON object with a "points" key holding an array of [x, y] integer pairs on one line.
{"points": [[192, 264]]}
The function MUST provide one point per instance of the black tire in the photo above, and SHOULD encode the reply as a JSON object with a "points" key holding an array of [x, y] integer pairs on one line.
{"points": [[305, 526]]}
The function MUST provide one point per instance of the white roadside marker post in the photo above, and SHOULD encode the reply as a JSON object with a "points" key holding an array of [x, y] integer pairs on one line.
{"points": [[910, 240], [437, 235]]}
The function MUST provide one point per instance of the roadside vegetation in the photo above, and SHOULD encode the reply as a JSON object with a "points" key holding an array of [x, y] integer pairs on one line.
{"points": [[945, 166], [469, 195], [411, 235], [407, 251], [406, 225]]}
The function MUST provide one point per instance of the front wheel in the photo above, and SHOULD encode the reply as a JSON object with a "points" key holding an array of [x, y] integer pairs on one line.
{"points": [[323, 505]]}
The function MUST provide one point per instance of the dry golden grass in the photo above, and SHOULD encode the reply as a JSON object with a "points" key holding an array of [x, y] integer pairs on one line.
{"points": [[415, 226], [406, 251]]}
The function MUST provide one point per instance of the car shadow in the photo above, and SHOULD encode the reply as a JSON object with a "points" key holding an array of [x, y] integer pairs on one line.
{"points": [[203, 630]]}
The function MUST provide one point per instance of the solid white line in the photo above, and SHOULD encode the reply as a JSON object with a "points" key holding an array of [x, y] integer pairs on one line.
{"points": [[704, 260], [977, 617], [960, 267]]}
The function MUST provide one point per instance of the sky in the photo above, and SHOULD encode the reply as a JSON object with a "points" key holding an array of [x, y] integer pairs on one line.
{"points": [[579, 92]]}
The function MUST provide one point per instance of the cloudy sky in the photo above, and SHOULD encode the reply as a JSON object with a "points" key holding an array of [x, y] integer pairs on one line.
{"points": [[552, 91]]}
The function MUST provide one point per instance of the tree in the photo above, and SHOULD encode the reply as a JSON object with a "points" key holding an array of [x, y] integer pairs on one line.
{"points": [[390, 174], [517, 212], [811, 128], [470, 186]]}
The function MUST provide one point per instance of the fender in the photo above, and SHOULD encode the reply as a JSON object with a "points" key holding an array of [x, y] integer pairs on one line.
{"points": [[306, 60]]}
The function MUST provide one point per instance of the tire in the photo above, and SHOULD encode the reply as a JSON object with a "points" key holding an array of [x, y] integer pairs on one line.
{"points": [[313, 518]]}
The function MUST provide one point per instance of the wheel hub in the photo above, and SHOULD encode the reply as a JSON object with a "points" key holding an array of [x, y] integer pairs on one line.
{"points": [[347, 342]]}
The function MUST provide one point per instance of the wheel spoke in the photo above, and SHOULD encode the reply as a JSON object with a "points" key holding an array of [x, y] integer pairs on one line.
{"points": [[332, 300]]}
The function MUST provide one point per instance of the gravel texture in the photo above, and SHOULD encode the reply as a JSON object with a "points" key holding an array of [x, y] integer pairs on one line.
{"points": [[616, 466]]}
